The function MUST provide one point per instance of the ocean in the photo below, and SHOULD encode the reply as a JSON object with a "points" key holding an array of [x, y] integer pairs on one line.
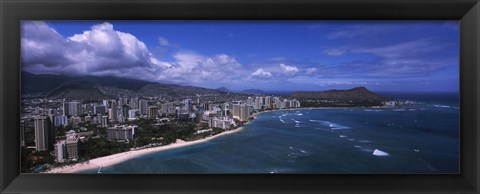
{"points": [[421, 138]]}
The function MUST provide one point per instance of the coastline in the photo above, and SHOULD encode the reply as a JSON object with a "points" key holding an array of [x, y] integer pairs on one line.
{"points": [[110, 160]]}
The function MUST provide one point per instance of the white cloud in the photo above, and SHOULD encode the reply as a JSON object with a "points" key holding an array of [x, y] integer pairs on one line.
{"points": [[260, 73], [334, 52], [286, 69], [104, 51], [190, 67], [100, 50], [163, 41]]}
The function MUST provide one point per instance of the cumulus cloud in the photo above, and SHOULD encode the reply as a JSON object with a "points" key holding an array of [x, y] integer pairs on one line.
{"points": [[286, 69], [96, 51], [334, 52], [43, 45], [195, 68], [102, 50], [260, 73]]}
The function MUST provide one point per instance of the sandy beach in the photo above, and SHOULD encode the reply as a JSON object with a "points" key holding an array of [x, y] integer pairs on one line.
{"points": [[120, 157]]}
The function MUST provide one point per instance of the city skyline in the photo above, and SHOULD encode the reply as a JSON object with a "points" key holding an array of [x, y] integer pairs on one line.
{"points": [[272, 56]]}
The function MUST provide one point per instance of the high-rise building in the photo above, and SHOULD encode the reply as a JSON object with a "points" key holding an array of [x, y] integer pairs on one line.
{"points": [[99, 118], [106, 104], [121, 133], [60, 121], [68, 148], [75, 108], [205, 106], [60, 151], [44, 133], [242, 112], [276, 102], [153, 111], [166, 108], [143, 106], [257, 105], [113, 111], [22, 133], [72, 144], [104, 121], [125, 109], [65, 110], [250, 101], [122, 101], [188, 106], [223, 123], [132, 113], [121, 119], [134, 102], [268, 102]]}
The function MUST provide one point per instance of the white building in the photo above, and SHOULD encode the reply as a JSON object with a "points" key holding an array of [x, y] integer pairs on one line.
{"points": [[223, 123], [132, 113], [188, 106], [60, 151], [121, 132], [72, 144], [242, 112], [104, 121]]}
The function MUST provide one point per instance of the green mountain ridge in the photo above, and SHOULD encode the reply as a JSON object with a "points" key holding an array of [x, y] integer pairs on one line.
{"points": [[92, 87]]}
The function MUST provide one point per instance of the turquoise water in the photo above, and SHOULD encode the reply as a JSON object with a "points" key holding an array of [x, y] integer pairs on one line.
{"points": [[423, 138]]}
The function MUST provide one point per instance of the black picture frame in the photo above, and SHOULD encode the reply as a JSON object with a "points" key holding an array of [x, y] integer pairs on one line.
{"points": [[466, 11]]}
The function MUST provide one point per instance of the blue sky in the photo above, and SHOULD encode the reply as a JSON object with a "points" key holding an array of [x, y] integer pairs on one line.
{"points": [[267, 55]]}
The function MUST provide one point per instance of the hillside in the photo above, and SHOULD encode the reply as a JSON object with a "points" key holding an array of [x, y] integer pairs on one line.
{"points": [[172, 90], [223, 89], [76, 90], [40, 84], [92, 87]]}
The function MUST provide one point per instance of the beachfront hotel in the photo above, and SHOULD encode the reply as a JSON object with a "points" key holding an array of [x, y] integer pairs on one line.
{"points": [[68, 148], [121, 132]]}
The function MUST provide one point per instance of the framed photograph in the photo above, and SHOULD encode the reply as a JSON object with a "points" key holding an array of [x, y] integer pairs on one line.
{"points": [[240, 96]]}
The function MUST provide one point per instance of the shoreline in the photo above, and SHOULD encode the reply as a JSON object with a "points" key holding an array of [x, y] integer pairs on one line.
{"points": [[110, 160]]}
